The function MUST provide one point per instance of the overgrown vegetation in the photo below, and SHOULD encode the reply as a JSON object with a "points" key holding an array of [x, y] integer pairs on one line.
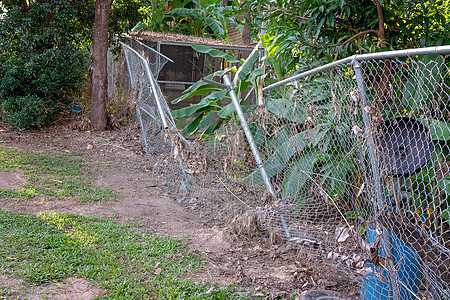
{"points": [[52, 176], [52, 246], [204, 18], [41, 62], [213, 111], [44, 55], [302, 34]]}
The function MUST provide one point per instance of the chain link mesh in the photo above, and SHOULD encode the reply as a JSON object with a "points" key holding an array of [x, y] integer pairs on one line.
{"points": [[364, 166], [359, 159], [153, 112]]}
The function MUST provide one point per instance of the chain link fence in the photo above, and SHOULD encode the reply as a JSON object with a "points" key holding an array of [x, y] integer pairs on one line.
{"points": [[358, 154], [349, 162]]}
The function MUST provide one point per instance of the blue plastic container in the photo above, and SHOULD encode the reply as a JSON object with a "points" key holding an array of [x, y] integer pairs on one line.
{"points": [[407, 261]]}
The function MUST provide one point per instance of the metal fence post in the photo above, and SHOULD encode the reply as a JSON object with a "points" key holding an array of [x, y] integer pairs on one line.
{"points": [[387, 239], [253, 147], [154, 90]]}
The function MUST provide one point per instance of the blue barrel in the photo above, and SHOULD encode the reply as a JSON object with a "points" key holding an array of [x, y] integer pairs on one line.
{"points": [[407, 262]]}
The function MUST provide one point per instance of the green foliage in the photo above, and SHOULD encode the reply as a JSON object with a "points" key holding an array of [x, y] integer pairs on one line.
{"points": [[304, 150], [129, 264], [302, 34], [425, 73], [41, 62], [210, 112], [44, 51], [52, 176], [191, 17]]}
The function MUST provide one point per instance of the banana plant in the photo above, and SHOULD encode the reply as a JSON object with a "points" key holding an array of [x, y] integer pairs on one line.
{"points": [[308, 156], [197, 18], [210, 113]]}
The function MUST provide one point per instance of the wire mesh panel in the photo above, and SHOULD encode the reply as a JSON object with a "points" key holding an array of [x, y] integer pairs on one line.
{"points": [[152, 110], [316, 163], [409, 117], [359, 157], [155, 59]]}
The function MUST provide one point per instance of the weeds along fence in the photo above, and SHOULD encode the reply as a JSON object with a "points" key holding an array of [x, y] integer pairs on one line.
{"points": [[349, 162]]}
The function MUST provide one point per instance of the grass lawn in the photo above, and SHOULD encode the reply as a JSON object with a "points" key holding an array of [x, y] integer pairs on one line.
{"points": [[52, 176], [50, 247]]}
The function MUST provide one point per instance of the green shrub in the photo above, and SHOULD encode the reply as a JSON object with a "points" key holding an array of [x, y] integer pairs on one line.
{"points": [[24, 111], [42, 61]]}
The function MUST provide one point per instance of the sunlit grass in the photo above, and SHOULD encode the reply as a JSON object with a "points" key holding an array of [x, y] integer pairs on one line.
{"points": [[52, 176], [129, 265]]}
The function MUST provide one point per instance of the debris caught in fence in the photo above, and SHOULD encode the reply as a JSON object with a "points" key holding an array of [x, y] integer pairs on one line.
{"points": [[348, 168]]}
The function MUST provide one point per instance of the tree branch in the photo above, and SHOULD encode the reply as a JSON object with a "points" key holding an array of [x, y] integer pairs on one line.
{"points": [[24, 6], [353, 38], [381, 32]]}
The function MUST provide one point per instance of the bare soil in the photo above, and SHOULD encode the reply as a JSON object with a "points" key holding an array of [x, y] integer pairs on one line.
{"points": [[249, 259]]}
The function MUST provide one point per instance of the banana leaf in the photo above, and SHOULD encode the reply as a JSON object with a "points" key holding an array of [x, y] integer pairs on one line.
{"points": [[215, 53], [424, 75], [444, 184], [298, 175], [439, 130], [335, 175], [287, 109], [202, 86], [279, 159], [247, 66], [208, 100]]}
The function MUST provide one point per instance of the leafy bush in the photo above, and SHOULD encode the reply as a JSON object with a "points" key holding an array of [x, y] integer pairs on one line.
{"points": [[41, 62], [24, 111]]}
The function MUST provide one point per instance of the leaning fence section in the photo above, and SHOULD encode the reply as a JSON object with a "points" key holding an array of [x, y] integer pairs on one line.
{"points": [[349, 162]]}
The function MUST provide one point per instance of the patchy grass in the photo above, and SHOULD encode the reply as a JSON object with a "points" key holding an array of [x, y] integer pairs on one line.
{"points": [[52, 176], [130, 265], [5, 293]]}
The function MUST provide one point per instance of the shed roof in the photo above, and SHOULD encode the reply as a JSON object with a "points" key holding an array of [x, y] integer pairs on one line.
{"points": [[181, 39]]}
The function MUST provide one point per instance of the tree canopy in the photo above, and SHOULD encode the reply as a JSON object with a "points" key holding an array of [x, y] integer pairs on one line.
{"points": [[299, 33], [44, 52], [45, 44]]}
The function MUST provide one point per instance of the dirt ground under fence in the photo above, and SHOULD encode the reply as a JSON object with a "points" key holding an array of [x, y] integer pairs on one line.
{"points": [[249, 258]]}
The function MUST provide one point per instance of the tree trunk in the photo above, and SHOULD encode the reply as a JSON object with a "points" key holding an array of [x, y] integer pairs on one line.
{"points": [[99, 64], [381, 32]]}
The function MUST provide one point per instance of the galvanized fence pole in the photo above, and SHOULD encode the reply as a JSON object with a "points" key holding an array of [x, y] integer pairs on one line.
{"points": [[152, 83], [249, 135], [363, 57], [253, 147], [155, 93], [387, 238]]}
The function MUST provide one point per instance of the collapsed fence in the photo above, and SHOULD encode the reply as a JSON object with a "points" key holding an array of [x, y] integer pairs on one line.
{"points": [[351, 163]]}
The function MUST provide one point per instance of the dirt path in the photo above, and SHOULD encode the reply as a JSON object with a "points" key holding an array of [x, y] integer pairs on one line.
{"points": [[249, 260]]}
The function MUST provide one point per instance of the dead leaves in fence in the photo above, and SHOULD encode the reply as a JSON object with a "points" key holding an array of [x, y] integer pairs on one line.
{"points": [[193, 156]]}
